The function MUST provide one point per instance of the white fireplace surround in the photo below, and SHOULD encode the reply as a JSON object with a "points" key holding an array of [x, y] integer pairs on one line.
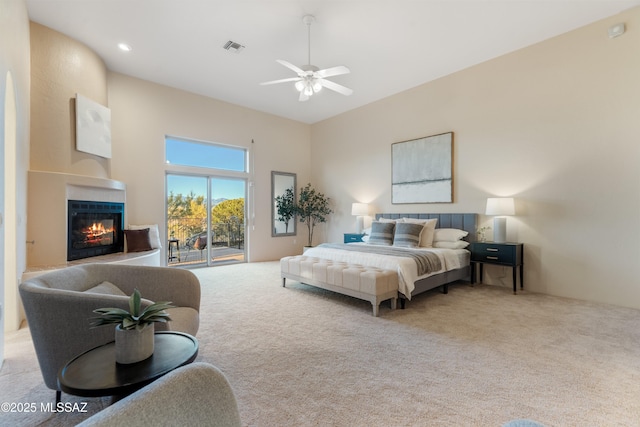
{"points": [[48, 195]]}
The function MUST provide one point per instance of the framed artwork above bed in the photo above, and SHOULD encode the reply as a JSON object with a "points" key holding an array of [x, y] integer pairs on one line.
{"points": [[422, 170]]}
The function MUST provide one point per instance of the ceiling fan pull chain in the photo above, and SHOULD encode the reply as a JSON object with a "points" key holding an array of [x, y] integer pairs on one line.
{"points": [[309, 40]]}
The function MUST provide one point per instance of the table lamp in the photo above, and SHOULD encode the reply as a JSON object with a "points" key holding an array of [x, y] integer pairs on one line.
{"points": [[500, 206], [360, 210]]}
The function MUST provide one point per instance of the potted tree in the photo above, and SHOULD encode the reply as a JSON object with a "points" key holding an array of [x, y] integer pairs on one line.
{"points": [[286, 207], [312, 209], [134, 328]]}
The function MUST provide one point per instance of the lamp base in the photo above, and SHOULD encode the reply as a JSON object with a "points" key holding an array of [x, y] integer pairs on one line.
{"points": [[499, 230], [360, 222]]}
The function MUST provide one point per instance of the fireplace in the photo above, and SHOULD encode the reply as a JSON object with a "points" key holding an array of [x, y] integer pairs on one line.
{"points": [[94, 228]]}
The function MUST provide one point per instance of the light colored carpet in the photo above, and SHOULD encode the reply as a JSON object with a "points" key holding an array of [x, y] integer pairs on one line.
{"points": [[479, 356]]}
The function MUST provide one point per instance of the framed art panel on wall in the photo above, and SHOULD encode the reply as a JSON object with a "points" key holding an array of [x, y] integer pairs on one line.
{"points": [[93, 127], [422, 170]]}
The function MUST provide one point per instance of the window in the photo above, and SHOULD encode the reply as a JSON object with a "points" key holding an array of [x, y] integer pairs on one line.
{"points": [[205, 155]]}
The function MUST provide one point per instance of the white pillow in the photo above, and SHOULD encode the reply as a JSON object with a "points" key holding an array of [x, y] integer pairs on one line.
{"points": [[429, 226], [386, 220], [460, 244], [154, 234], [449, 234]]}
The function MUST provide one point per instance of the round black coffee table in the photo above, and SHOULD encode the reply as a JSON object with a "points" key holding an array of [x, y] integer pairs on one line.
{"points": [[96, 373]]}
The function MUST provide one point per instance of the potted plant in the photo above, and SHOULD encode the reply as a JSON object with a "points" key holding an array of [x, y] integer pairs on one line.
{"points": [[134, 328], [312, 209], [480, 232], [286, 207]]}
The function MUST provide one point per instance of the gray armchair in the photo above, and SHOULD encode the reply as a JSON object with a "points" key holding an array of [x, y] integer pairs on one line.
{"points": [[59, 304], [193, 395]]}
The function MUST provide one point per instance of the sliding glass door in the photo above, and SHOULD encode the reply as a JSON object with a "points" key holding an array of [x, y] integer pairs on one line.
{"points": [[206, 193], [205, 220], [227, 219]]}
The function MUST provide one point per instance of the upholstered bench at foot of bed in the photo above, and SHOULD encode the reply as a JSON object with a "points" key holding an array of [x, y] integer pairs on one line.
{"points": [[367, 283]]}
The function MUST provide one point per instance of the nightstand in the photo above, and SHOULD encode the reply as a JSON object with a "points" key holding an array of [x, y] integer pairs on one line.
{"points": [[505, 254], [353, 237]]}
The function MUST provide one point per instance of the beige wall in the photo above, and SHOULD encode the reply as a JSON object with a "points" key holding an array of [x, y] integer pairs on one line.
{"points": [[61, 68], [554, 125], [143, 113], [14, 149]]}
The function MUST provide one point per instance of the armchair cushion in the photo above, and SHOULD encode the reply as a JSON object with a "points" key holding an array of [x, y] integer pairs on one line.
{"points": [[183, 319]]}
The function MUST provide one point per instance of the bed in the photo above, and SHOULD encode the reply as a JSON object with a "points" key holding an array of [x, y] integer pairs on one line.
{"points": [[454, 260]]}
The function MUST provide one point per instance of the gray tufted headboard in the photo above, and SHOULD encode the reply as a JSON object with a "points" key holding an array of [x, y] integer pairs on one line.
{"points": [[462, 221]]}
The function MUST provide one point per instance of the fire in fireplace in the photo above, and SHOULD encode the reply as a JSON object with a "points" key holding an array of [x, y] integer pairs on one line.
{"points": [[94, 228]]}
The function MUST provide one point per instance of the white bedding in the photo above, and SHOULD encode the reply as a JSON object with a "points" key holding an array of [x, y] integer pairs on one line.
{"points": [[450, 259]]}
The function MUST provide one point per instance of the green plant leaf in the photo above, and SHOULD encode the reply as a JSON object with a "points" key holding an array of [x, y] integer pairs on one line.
{"points": [[133, 318], [134, 303], [129, 323]]}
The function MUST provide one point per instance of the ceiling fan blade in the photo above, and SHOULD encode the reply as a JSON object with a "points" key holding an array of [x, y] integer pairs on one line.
{"points": [[290, 79], [336, 87], [290, 66], [333, 71], [303, 97]]}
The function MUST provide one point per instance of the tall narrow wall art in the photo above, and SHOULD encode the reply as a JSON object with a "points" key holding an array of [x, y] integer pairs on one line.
{"points": [[93, 127]]}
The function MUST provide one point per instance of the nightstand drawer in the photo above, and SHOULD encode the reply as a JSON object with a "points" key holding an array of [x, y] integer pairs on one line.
{"points": [[352, 237], [496, 253]]}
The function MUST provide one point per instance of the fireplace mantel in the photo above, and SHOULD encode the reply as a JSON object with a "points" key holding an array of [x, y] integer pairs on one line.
{"points": [[48, 194]]}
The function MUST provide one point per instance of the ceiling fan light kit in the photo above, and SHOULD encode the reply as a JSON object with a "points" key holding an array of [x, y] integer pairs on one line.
{"points": [[310, 78]]}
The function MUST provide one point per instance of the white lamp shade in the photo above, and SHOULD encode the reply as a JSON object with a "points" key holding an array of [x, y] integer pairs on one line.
{"points": [[360, 209], [500, 206]]}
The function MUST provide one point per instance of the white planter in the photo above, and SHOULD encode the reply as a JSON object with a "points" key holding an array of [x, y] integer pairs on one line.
{"points": [[134, 345]]}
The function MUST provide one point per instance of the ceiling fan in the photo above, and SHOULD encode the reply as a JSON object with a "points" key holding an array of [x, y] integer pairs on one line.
{"points": [[310, 78]]}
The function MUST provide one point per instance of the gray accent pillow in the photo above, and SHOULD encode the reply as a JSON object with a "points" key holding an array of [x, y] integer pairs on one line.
{"points": [[106, 288], [381, 233], [407, 235]]}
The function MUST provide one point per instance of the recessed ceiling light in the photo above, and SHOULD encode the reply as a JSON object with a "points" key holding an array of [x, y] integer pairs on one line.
{"points": [[124, 47]]}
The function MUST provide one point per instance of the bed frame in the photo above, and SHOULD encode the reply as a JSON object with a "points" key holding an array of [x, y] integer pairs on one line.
{"points": [[462, 221]]}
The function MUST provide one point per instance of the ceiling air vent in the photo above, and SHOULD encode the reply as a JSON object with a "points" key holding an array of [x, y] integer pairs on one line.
{"points": [[232, 46]]}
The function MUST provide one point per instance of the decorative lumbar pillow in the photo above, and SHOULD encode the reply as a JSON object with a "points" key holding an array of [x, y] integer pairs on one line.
{"points": [[426, 238], [407, 235], [137, 240], [381, 233], [460, 244], [448, 234], [154, 234], [106, 288]]}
